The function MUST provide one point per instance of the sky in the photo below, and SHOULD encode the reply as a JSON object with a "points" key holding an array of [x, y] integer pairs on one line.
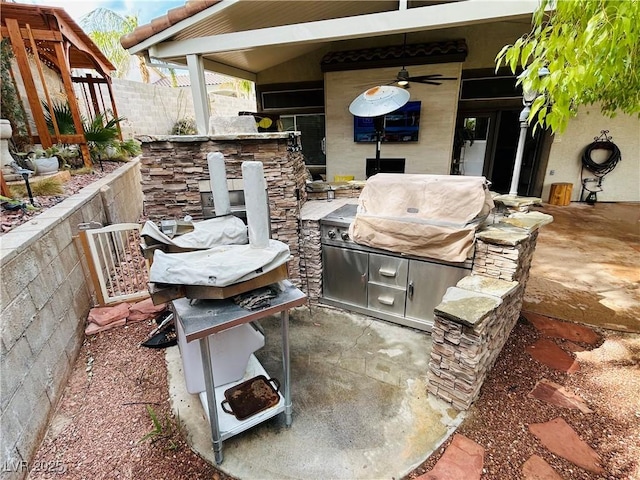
{"points": [[146, 10]]}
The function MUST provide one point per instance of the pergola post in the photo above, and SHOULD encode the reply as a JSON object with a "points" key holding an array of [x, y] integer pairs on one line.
{"points": [[73, 103], [20, 52], [199, 93]]}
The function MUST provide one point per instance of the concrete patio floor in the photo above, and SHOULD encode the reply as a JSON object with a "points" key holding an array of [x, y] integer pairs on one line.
{"points": [[360, 408], [586, 267]]}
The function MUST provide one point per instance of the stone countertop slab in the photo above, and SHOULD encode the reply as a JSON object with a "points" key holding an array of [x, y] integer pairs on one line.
{"points": [[503, 234], [489, 285], [530, 221], [205, 138], [316, 209], [467, 307], [517, 201]]}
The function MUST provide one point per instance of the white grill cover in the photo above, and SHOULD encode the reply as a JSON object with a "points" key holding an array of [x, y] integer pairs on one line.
{"points": [[219, 266], [433, 216], [226, 230]]}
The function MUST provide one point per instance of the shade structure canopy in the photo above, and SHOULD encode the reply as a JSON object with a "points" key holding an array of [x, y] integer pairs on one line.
{"points": [[378, 101]]}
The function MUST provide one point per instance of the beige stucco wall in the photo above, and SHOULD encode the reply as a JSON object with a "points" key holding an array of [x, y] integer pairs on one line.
{"points": [[622, 184], [432, 152]]}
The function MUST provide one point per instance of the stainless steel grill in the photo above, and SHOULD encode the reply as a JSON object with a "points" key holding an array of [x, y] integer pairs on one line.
{"points": [[395, 287]]}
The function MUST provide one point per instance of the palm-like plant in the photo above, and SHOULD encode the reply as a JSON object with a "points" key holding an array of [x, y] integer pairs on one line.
{"points": [[101, 134], [106, 27], [63, 116]]}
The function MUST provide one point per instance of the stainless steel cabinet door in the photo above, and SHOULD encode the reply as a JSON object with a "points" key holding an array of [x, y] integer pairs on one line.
{"points": [[344, 275], [426, 285]]}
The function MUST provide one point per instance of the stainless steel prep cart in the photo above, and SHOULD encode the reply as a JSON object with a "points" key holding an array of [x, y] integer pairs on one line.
{"points": [[209, 317]]}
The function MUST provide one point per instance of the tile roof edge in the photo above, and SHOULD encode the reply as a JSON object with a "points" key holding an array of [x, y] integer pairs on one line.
{"points": [[160, 24]]}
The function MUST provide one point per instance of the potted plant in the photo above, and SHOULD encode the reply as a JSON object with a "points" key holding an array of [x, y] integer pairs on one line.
{"points": [[45, 161]]}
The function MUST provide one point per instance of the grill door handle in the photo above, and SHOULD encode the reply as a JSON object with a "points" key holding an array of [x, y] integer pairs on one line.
{"points": [[410, 289], [386, 300], [385, 272]]}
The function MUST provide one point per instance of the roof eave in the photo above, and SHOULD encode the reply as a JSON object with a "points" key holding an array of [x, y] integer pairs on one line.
{"points": [[431, 17]]}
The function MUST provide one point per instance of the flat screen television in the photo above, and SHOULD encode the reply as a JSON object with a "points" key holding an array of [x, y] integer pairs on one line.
{"points": [[401, 125]]}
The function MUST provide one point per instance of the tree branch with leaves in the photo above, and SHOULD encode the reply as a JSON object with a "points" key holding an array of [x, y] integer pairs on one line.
{"points": [[591, 48]]}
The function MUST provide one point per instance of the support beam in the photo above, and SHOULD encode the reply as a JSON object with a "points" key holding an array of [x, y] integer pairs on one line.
{"points": [[432, 17], [45, 35], [20, 52], [199, 93]]}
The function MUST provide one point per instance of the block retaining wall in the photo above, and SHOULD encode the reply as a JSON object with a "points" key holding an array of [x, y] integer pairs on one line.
{"points": [[46, 294]]}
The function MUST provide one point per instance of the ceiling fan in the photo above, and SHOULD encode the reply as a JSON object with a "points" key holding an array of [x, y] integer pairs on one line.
{"points": [[403, 79]]}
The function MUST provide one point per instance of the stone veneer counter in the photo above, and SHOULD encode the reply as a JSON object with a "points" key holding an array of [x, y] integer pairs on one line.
{"points": [[172, 167]]}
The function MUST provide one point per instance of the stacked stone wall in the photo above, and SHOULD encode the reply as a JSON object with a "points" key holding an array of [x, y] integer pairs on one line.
{"points": [[311, 260], [506, 262], [172, 167], [474, 320], [462, 356]]}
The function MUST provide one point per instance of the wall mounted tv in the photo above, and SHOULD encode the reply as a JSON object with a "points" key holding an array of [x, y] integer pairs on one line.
{"points": [[401, 125]]}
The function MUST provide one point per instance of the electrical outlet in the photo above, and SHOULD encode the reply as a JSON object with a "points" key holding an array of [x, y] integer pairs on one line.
{"points": [[552, 172]]}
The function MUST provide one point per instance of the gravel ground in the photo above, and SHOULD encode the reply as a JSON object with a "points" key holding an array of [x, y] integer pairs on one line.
{"points": [[103, 418], [9, 219], [608, 380]]}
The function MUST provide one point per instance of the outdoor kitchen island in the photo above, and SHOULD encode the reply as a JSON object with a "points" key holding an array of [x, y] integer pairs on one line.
{"points": [[475, 315]]}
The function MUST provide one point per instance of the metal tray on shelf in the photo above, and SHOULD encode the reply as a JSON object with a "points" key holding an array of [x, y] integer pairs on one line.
{"points": [[251, 397]]}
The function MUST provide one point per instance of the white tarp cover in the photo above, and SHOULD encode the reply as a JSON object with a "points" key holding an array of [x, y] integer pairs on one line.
{"points": [[219, 266], [226, 230], [433, 216]]}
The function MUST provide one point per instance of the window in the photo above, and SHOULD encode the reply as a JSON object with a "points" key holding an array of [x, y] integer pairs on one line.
{"points": [[311, 127]]}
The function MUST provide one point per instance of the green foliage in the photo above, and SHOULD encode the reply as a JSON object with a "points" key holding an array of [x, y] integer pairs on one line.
{"points": [[122, 151], [591, 48], [10, 106], [105, 27], [42, 188], [101, 135], [62, 115], [162, 430], [185, 126]]}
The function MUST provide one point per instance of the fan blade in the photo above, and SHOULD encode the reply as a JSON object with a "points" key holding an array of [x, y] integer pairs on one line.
{"points": [[425, 78]]}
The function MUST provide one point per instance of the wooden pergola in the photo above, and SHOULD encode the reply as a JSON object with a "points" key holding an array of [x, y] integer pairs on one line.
{"points": [[57, 42]]}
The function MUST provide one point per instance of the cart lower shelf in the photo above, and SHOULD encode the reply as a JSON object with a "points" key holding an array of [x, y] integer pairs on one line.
{"points": [[227, 423]]}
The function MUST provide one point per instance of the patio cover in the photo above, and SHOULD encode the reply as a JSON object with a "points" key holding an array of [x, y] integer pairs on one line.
{"points": [[433, 216], [242, 38]]}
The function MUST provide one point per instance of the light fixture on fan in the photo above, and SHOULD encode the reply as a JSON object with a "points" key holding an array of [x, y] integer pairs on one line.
{"points": [[403, 77]]}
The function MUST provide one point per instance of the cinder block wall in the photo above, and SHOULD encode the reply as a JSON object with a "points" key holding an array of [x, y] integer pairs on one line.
{"points": [[153, 110], [45, 296]]}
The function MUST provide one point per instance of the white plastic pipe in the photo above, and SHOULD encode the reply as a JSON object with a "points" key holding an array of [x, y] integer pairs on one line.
{"points": [[255, 199], [218, 182]]}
